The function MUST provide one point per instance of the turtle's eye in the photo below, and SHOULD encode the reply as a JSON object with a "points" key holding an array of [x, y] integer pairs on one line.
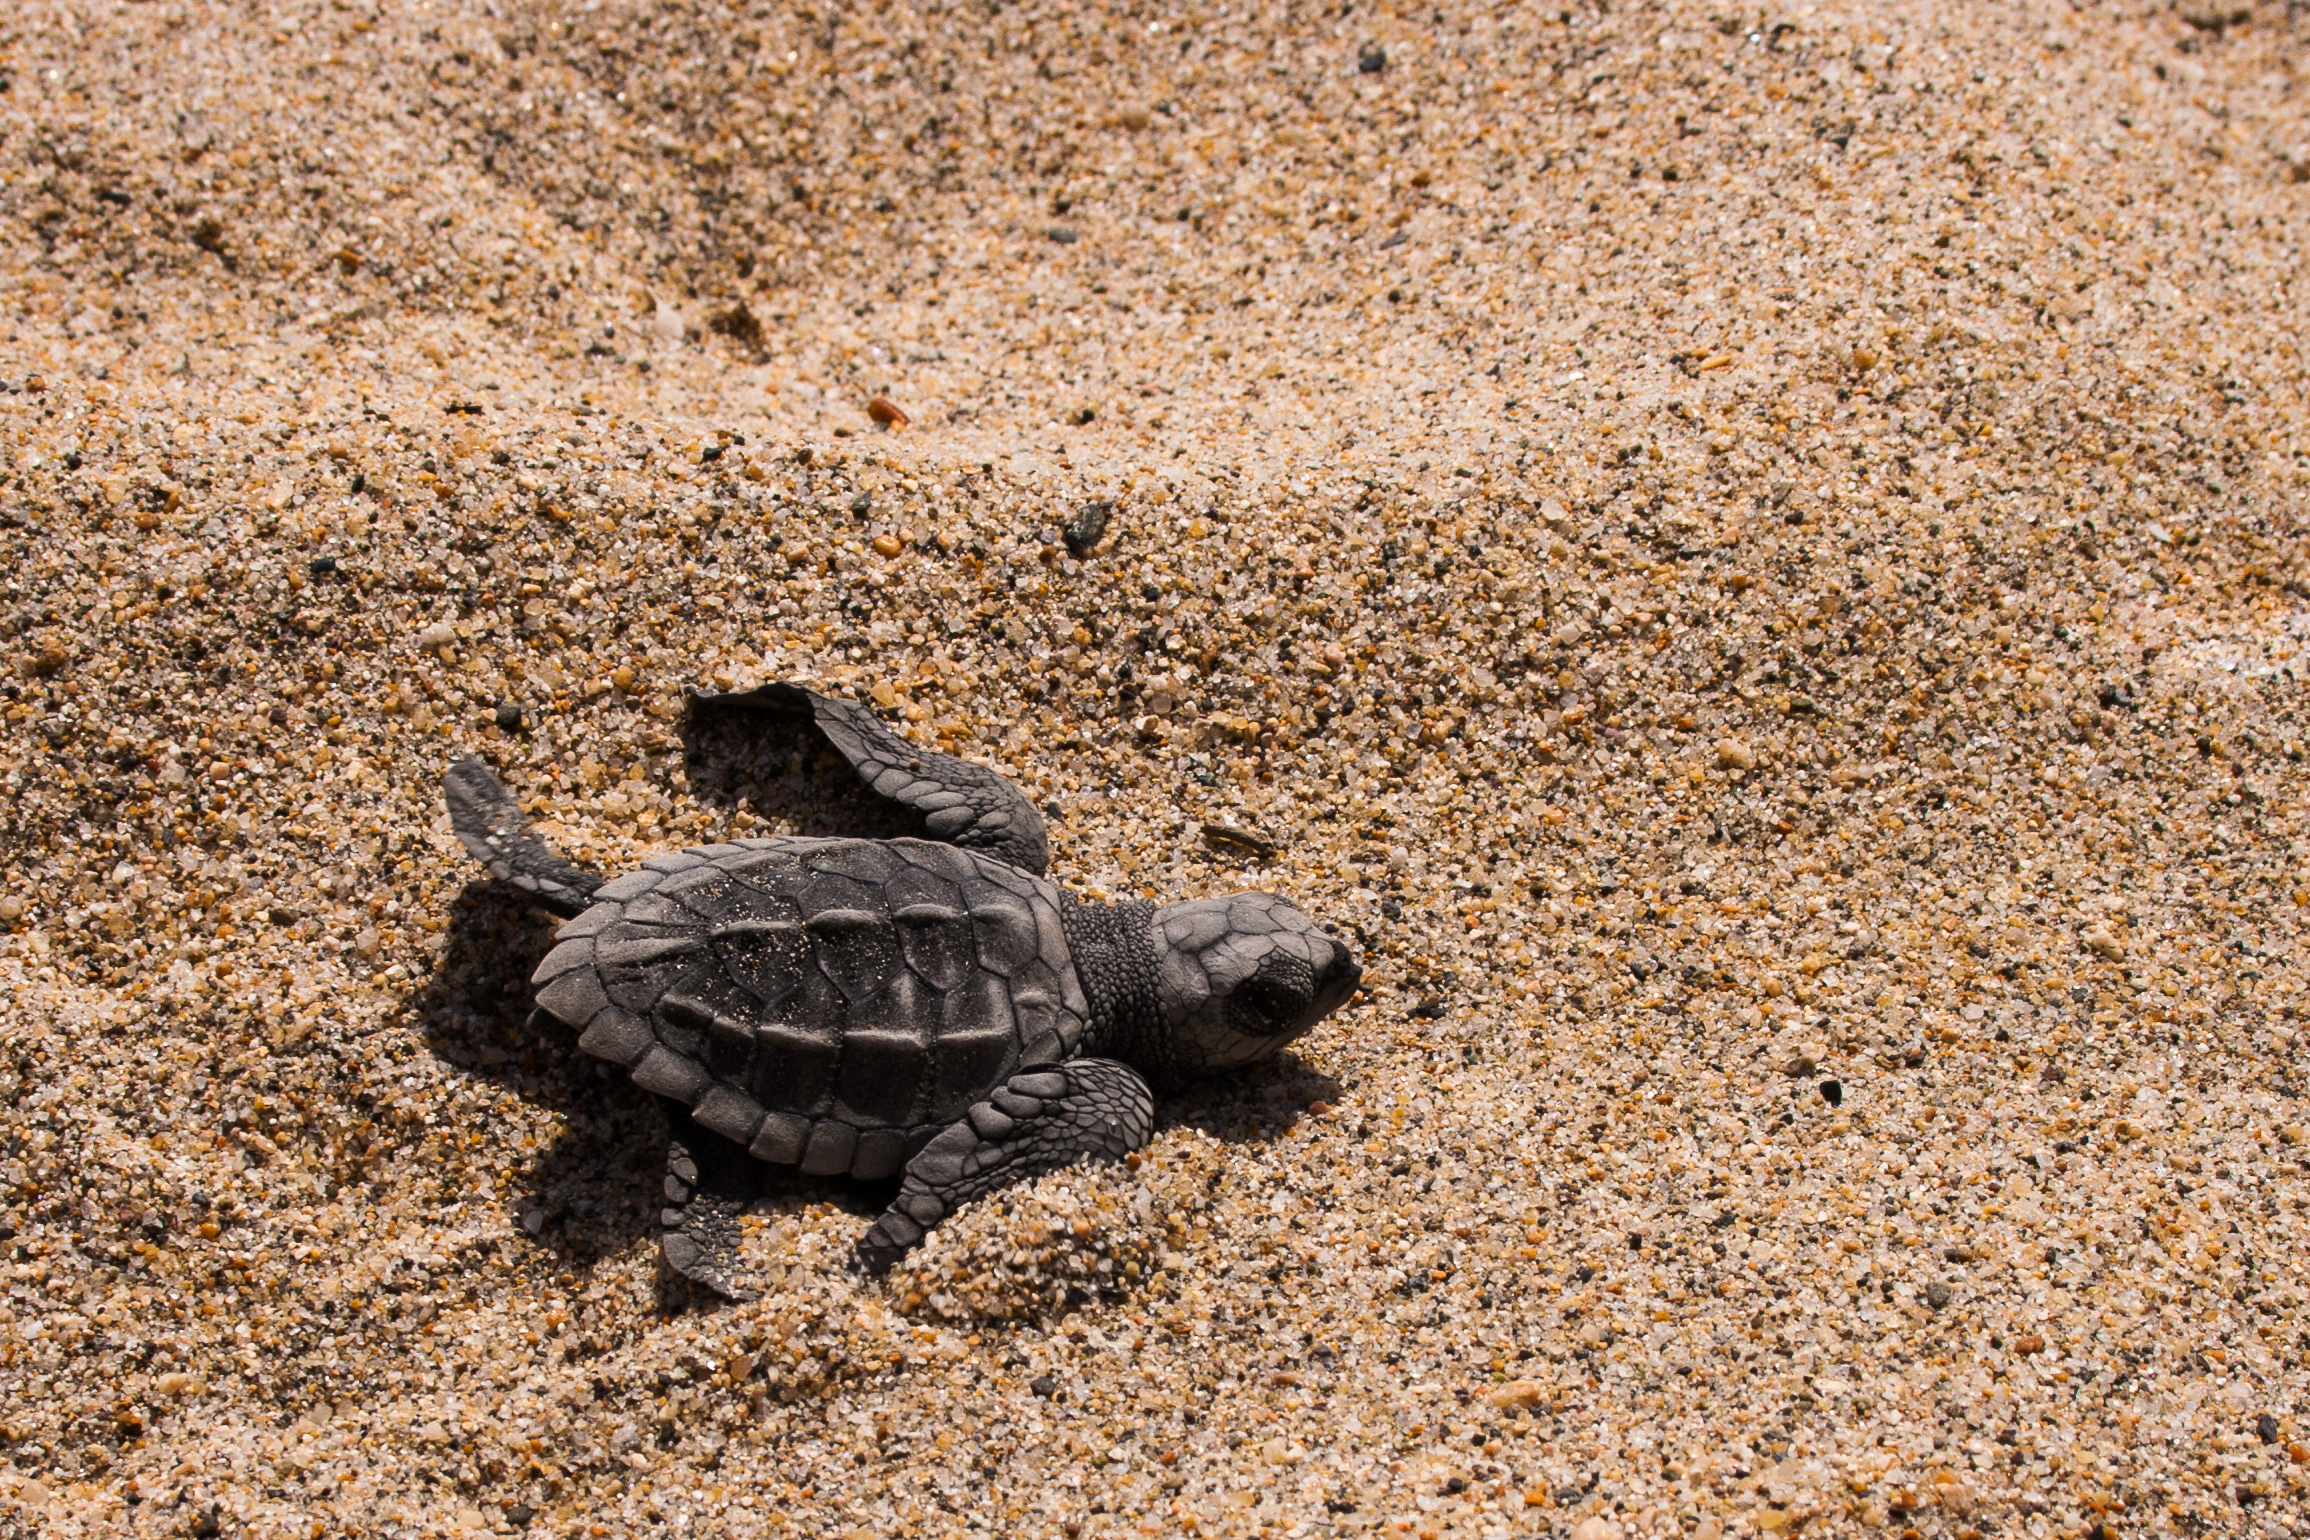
{"points": [[1276, 998], [1262, 1005]]}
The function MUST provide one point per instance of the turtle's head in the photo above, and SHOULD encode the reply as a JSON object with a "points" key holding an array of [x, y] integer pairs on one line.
{"points": [[1238, 977]]}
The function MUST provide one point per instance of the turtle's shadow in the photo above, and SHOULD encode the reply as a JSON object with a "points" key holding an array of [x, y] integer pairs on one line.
{"points": [[785, 777], [1255, 1105], [590, 1191]]}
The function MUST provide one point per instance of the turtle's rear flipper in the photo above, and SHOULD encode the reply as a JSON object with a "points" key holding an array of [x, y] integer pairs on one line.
{"points": [[960, 803], [709, 1183], [1084, 1109], [490, 826]]}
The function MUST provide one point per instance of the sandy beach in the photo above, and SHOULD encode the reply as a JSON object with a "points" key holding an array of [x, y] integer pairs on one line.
{"points": [[1752, 561]]}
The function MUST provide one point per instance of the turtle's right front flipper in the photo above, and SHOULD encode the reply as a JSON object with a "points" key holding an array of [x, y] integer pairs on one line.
{"points": [[490, 825], [961, 803], [1041, 1120]]}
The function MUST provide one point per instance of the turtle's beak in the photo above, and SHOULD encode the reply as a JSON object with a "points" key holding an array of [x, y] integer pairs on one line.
{"points": [[1336, 979]]}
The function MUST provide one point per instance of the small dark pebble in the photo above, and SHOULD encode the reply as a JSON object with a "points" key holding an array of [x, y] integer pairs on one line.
{"points": [[1372, 60], [2266, 1428], [321, 566], [1833, 1092], [711, 453], [738, 323], [1390, 909], [1429, 1009], [1937, 1294], [519, 1515], [1584, 1272], [1063, 235], [861, 503], [1088, 527], [508, 716], [278, 716], [1043, 1385], [1455, 1486]]}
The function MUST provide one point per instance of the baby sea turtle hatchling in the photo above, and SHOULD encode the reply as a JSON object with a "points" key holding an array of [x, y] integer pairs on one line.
{"points": [[935, 1007]]}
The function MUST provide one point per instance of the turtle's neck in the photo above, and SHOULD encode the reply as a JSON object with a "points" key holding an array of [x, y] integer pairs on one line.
{"points": [[1114, 957]]}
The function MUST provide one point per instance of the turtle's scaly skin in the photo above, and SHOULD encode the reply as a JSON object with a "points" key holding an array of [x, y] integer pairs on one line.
{"points": [[827, 1003]]}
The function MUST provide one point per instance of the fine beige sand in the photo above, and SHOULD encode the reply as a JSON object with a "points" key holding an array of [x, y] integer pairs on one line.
{"points": [[1751, 559]]}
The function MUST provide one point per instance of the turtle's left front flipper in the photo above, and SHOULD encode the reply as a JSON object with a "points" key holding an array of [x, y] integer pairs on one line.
{"points": [[1037, 1121], [490, 825], [961, 803]]}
